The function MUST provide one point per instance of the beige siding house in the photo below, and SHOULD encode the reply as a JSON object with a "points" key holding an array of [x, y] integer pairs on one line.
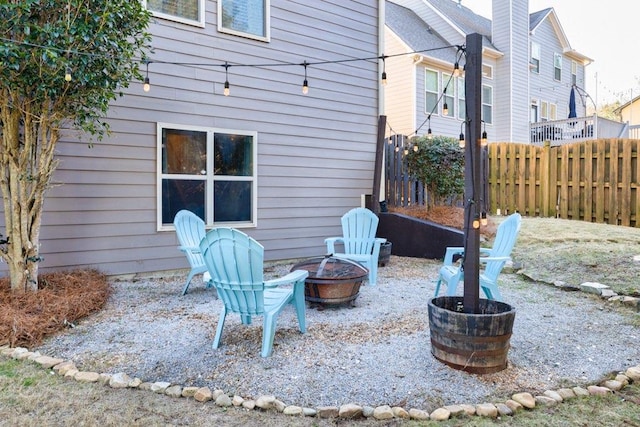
{"points": [[281, 165], [529, 68]]}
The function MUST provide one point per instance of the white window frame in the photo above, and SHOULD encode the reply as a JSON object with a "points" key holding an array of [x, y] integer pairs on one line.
{"points": [[487, 103], [544, 111], [574, 72], [535, 57], [209, 177], [436, 92], [553, 111], [487, 71], [267, 24], [169, 17], [557, 66], [461, 98]]}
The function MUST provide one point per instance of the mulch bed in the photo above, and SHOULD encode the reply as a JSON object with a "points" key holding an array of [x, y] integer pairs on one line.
{"points": [[62, 298]]}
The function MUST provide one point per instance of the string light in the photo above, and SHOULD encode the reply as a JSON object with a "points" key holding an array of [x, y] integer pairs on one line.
{"points": [[67, 74], [147, 84], [456, 69], [445, 107], [483, 218], [305, 83], [384, 71], [483, 140], [226, 79], [476, 221], [461, 142]]}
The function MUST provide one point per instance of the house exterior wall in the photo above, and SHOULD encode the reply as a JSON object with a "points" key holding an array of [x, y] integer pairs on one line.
{"points": [[510, 34], [399, 92], [315, 153], [631, 113]]}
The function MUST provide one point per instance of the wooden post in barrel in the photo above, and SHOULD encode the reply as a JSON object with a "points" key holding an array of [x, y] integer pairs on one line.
{"points": [[472, 175]]}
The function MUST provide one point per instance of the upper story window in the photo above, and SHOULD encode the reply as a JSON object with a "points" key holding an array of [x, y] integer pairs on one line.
{"points": [[487, 104], [535, 57], [211, 172], [557, 66], [431, 92], [574, 72], [187, 11], [247, 18], [448, 97], [462, 108], [487, 71]]}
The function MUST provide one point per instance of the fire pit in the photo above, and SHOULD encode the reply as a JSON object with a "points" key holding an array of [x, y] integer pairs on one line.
{"points": [[332, 280]]}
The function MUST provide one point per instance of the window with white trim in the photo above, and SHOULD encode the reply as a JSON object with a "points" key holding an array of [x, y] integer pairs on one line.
{"points": [[544, 111], [553, 111], [211, 172], [557, 66], [574, 72], [187, 11], [487, 104], [247, 18], [487, 71], [462, 107], [535, 57], [431, 91], [448, 97]]}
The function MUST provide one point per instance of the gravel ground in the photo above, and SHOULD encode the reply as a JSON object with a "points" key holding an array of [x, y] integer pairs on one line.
{"points": [[375, 353]]}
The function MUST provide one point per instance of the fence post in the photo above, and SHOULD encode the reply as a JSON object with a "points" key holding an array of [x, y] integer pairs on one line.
{"points": [[545, 179]]}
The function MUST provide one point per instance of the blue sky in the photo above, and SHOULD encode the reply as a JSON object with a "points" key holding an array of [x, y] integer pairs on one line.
{"points": [[605, 32]]}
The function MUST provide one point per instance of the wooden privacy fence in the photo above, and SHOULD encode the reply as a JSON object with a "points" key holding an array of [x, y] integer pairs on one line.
{"points": [[402, 189], [595, 181]]}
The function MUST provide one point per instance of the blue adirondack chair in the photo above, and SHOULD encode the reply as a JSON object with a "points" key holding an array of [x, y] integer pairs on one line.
{"points": [[359, 227], [190, 230], [235, 264], [493, 259]]}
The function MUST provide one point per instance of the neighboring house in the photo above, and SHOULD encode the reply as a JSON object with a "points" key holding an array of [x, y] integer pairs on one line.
{"points": [[529, 68], [629, 113], [278, 164]]}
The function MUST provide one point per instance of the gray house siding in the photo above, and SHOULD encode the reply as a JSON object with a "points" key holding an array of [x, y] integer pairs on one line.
{"points": [[315, 153], [510, 31]]}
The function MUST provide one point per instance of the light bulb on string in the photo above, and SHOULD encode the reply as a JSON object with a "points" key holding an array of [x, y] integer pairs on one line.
{"points": [[305, 83], [483, 139], [476, 221], [383, 79], [461, 142], [67, 74], [147, 84], [429, 134], [456, 70], [415, 148], [483, 218], [226, 79], [445, 107]]}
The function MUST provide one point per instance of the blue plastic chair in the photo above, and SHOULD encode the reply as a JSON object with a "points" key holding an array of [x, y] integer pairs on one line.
{"points": [[235, 264], [493, 258], [190, 230], [359, 227]]}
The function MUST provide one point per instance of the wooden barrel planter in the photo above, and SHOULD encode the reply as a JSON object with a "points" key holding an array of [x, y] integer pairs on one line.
{"points": [[475, 343]]}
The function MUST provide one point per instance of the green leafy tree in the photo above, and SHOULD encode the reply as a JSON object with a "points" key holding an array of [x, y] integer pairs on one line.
{"points": [[439, 165], [63, 62]]}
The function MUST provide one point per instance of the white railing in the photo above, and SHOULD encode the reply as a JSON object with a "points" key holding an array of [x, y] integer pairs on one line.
{"points": [[566, 131]]}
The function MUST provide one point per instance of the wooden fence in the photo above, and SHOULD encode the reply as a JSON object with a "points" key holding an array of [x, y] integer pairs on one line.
{"points": [[595, 181]]}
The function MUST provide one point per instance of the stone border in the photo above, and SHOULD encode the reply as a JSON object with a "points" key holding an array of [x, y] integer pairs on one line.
{"points": [[519, 401]]}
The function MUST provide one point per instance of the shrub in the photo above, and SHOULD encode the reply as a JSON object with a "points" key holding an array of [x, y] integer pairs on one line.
{"points": [[439, 165]]}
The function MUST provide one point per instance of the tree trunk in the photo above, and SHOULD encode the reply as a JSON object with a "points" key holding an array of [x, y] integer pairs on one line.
{"points": [[27, 164]]}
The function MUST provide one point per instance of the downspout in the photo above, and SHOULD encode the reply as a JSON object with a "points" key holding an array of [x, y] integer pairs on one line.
{"points": [[382, 193]]}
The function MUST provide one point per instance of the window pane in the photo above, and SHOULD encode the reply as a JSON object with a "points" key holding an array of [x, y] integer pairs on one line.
{"points": [[182, 194], [431, 81], [233, 154], [187, 9], [246, 16], [462, 109], [232, 201], [184, 152]]}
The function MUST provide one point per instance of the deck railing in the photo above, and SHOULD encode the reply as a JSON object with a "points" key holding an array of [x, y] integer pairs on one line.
{"points": [[560, 132]]}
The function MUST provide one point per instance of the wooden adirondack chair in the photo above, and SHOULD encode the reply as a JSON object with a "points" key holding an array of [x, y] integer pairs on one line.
{"points": [[493, 259], [359, 227], [190, 230], [235, 264]]}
